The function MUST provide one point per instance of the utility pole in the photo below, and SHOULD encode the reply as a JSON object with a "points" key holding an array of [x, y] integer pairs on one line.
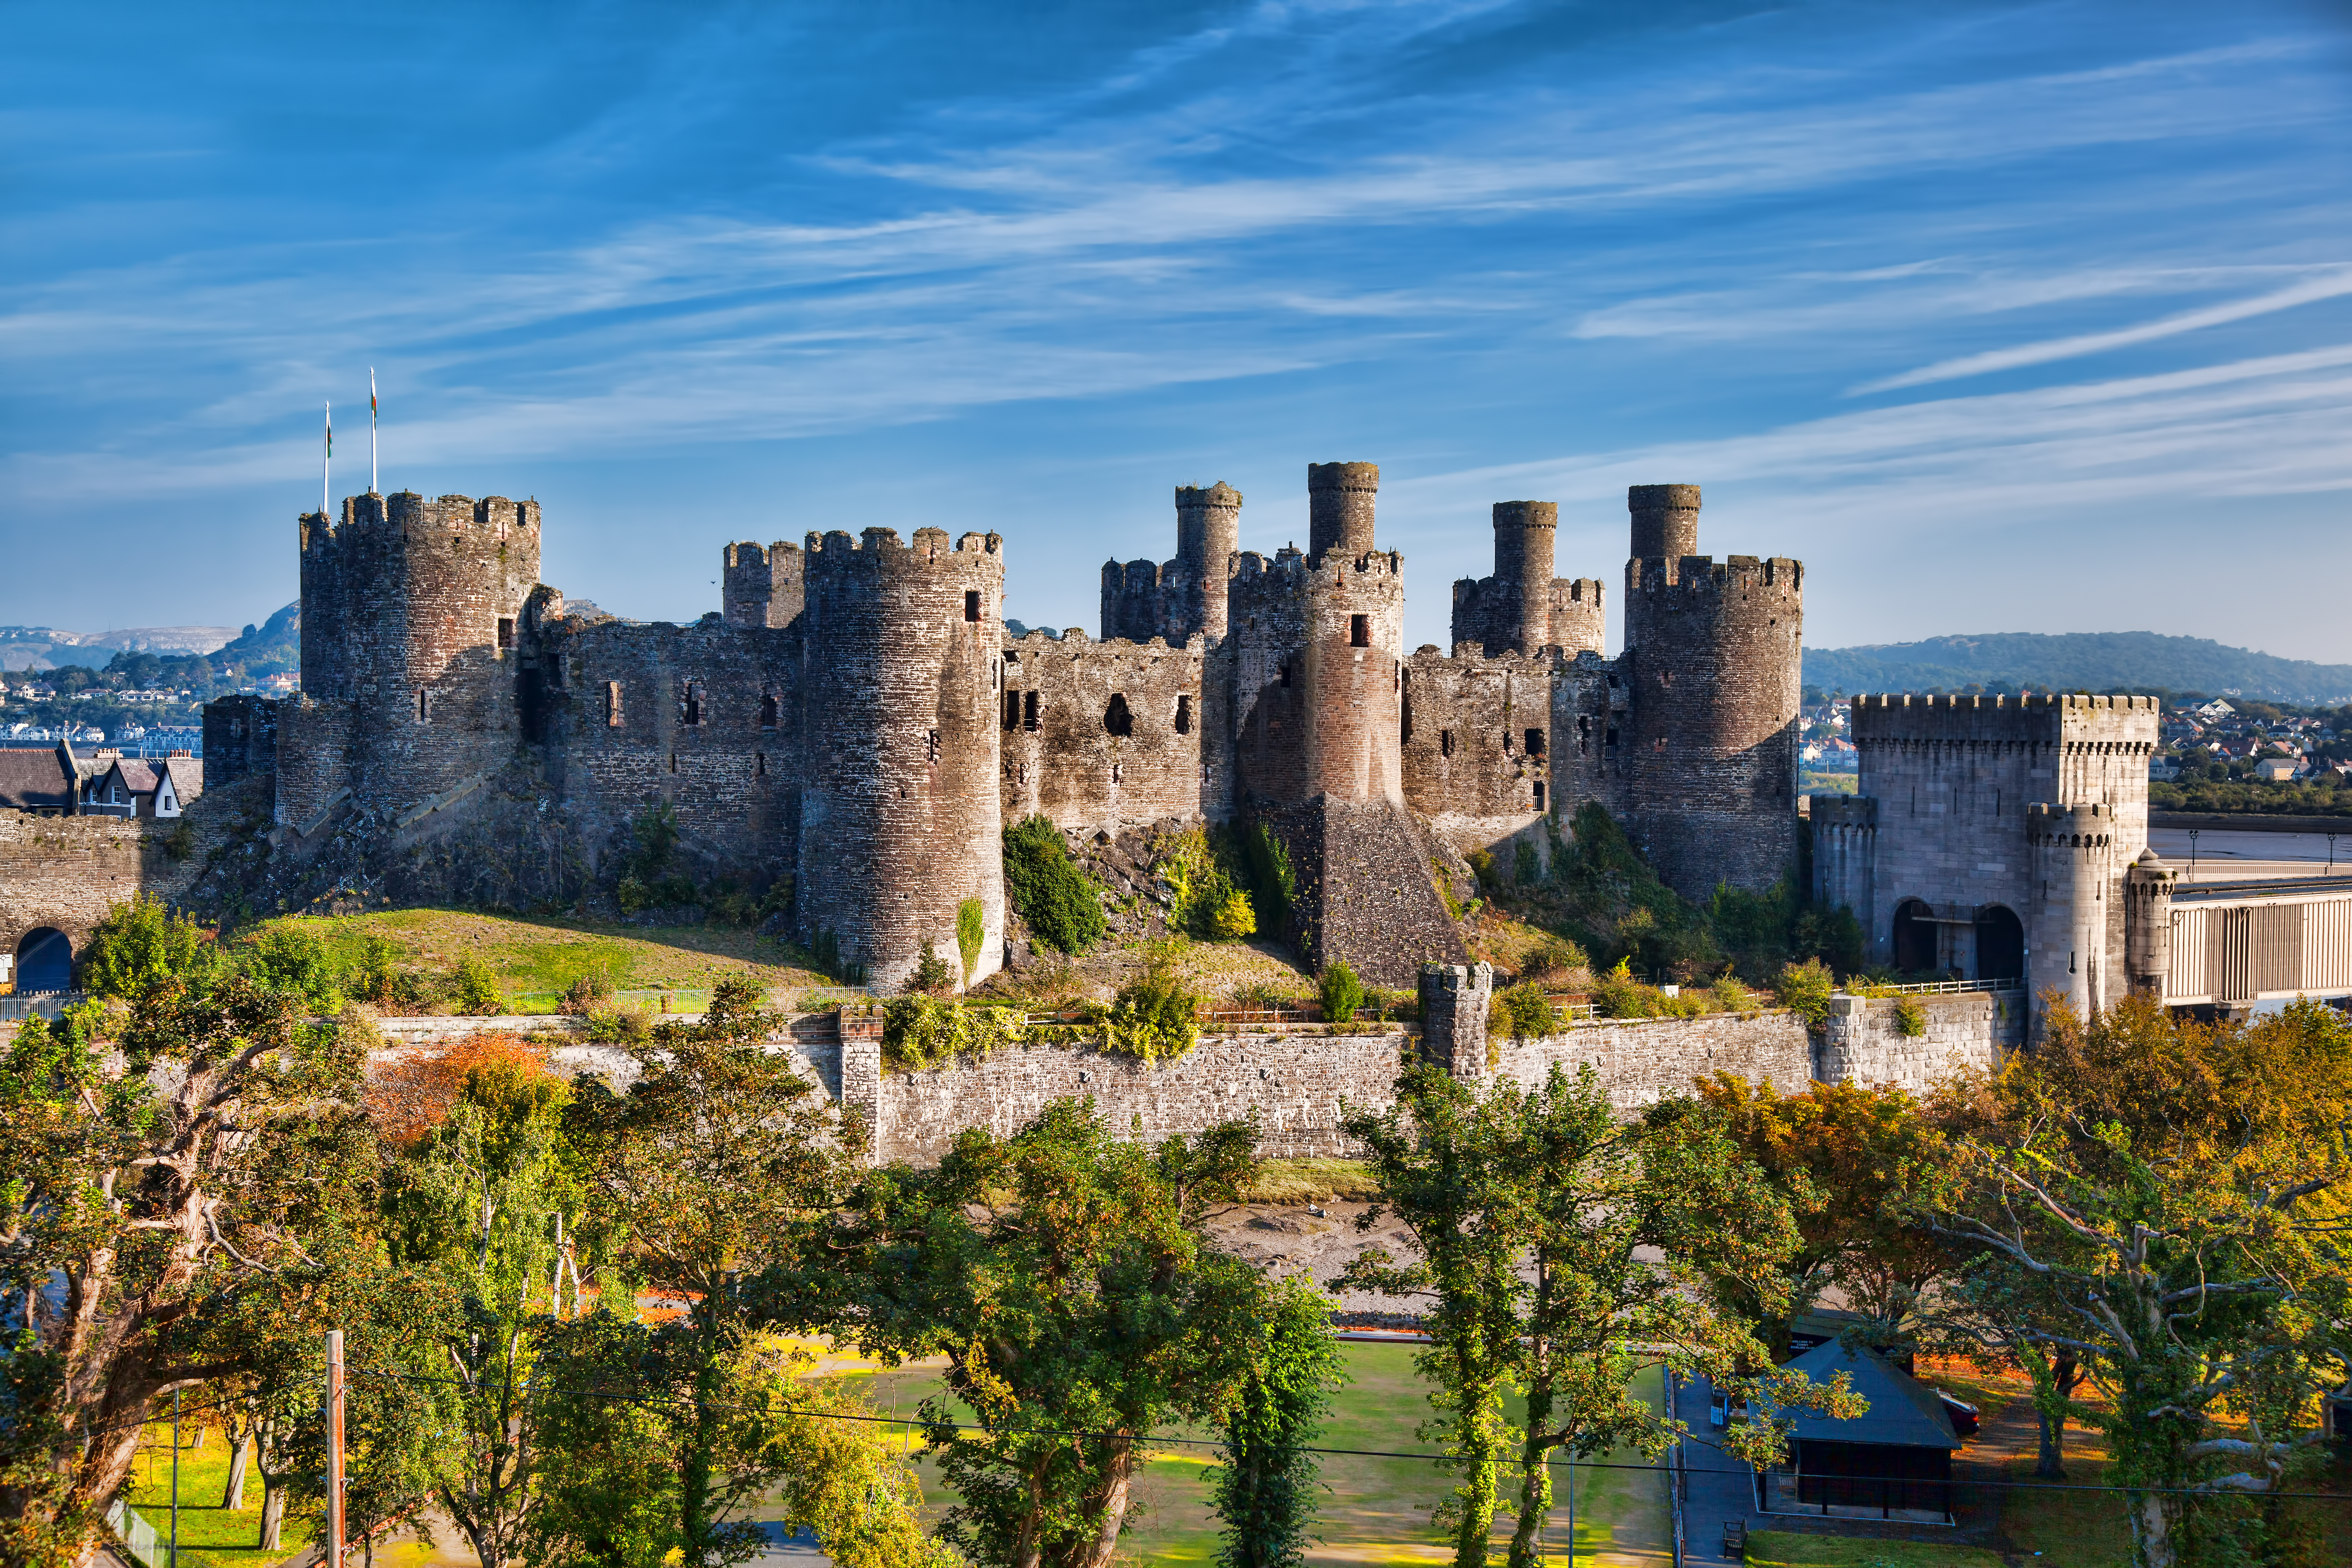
{"points": [[334, 1448], [174, 1559]]}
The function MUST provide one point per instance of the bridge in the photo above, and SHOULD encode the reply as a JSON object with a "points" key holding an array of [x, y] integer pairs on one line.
{"points": [[2236, 944]]}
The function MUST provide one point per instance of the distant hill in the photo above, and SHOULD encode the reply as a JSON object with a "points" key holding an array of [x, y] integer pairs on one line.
{"points": [[47, 648], [2077, 661], [275, 645]]}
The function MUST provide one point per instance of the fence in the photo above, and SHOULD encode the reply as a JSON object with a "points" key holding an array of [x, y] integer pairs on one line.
{"points": [[26, 1005], [138, 1536], [1927, 986]]}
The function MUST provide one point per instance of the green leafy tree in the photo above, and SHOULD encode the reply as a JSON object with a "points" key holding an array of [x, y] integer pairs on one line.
{"points": [[1266, 1488], [144, 1207], [1064, 1273], [1554, 1240], [2177, 1189], [1341, 993], [290, 958], [706, 1175], [138, 947]]}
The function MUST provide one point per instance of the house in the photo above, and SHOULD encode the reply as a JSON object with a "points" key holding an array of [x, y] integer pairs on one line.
{"points": [[2163, 770], [2215, 709], [43, 781], [136, 787], [1894, 1461], [2278, 770]]}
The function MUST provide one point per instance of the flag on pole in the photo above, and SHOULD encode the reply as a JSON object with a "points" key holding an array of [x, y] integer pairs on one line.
{"points": [[371, 429], [327, 462]]}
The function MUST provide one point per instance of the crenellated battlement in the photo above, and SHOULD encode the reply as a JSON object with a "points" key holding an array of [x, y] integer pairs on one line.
{"points": [[836, 552], [1693, 575]]}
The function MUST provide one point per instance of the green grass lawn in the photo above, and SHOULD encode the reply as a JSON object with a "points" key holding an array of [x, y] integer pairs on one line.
{"points": [[1376, 1510], [1785, 1549], [210, 1535]]}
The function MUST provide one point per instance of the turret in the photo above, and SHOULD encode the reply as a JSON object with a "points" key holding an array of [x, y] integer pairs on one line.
{"points": [[903, 662], [1339, 498], [1666, 522], [2148, 925], [761, 587], [1523, 608], [1208, 532], [2072, 848]]}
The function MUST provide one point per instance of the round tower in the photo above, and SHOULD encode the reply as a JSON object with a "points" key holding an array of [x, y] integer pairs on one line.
{"points": [[1339, 498], [2148, 925], [1208, 533], [1354, 658], [2071, 847], [902, 664], [1714, 663], [1666, 521], [1525, 534]]}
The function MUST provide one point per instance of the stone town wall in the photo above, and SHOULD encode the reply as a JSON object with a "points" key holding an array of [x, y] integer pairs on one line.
{"points": [[68, 871], [1103, 735], [1298, 1085], [1966, 1030], [1643, 1061]]}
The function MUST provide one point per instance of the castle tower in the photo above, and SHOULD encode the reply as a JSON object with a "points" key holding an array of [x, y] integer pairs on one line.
{"points": [[1339, 498], [1523, 608], [1666, 521], [411, 606], [1208, 532], [761, 587], [1714, 655], [903, 660], [2148, 925], [2072, 848]]}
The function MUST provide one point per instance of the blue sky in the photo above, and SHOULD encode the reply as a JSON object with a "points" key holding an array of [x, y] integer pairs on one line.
{"points": [[2002, 317]]}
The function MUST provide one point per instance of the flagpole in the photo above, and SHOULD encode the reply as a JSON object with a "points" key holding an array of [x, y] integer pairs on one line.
{"points": [[372, 431], [327, 460]]}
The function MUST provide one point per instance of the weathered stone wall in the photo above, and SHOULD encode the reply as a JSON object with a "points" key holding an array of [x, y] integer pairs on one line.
{"points": [[900, 805], [1103, 735], [1966, 1030], [1477, 742], [240, 738], [66, 872], [1643, 1061], [1523, 608], [761, 587], [1295, 1083], [1368, 890]]}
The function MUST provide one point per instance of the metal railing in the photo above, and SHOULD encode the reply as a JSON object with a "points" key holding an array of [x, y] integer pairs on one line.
{"points": [[1927, 986], [138, 1536], [24, 1004]]}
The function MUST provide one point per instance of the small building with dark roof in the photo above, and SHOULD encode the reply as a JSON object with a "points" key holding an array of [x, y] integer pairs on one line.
{"points": [[44, 782], [1893, 1462]]}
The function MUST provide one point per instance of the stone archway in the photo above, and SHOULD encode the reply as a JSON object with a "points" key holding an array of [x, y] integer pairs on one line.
{"points": [[1914, 945], [2000, 944], [44, 961]]}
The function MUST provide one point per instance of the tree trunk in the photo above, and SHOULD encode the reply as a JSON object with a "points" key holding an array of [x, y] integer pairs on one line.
{"points": [[273, 1510], [2065, 1376], [1535, 1475], [1111, 1503], [2155, 1522], [240, 1455]]}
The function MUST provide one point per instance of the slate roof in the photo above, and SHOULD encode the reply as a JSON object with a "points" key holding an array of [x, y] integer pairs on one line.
{"points": [[31, 780], [1904, 1412], [187, 776]]}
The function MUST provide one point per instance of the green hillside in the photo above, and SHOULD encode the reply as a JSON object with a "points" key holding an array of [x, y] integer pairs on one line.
{"points": [[2076, 661]]}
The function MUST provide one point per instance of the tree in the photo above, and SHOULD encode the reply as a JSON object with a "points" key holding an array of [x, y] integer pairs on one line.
{"points": [[704, 1177], [1556, 1239], [1844, 1158], [144, 1205], [1266, 1488], [288, 957], [2173, 1194], [1060, 902], [137, 947], [1064, 1273]]}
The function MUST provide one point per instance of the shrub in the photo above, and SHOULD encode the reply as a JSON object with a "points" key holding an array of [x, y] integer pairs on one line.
{"points": [[1153, 1017], [1234, 919], [1524, 1012], [920, 1032], [1061, 903], [972, 929], [1555, 956], [474, 988], [1274, 884], [1482, 866], [587, 995], [931, 976], [1728, 995], [384, 981], [620, 1026], [1804, 989], [1341, 993], [290, 957], [139, 946], [1910, 1018], [1527, 866]]}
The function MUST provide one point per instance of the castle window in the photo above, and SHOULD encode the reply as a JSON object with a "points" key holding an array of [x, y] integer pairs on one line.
{"points": [[424, 705], [691, 712], [1114, 772], [972, 603], [1012, 709], [1360, 631], [1116, 719], [1285, 677], [767, 716], [1583, 736], [506, 631], [1029, 710], [673, 762], [1184, 714], [612, 703], [933, 755], [760, 764], [1539, 795], [1404, 724], [1445, 743], [1535, 742], [1611, 739], [1506, 743]]}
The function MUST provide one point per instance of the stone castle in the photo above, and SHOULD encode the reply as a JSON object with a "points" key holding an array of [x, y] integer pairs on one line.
{"points": [[855, 725]]}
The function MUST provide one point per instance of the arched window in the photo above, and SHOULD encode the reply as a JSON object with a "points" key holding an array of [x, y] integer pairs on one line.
{"points": [[767, 712], [1184, 714], [1914, 937], [1116, 719], [2000, 944]]}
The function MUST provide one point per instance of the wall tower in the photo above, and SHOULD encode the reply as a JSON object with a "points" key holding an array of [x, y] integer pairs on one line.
{"points": [[1339, 498], [1523, 608], [903, 653], [761, 587]]}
